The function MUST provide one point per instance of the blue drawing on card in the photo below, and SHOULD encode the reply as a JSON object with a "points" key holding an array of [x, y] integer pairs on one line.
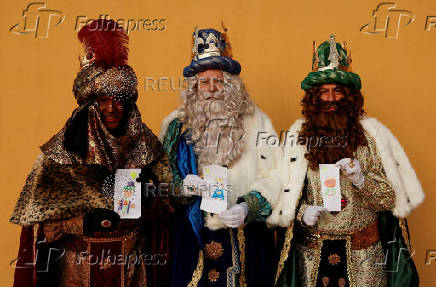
{"points": [[218, 193]]}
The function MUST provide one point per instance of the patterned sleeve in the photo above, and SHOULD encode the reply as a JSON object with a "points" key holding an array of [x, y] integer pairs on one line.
{"points": [[56, 229], [258, 207], [170, 143], [377, 192], [301, 210], [162, 169]]}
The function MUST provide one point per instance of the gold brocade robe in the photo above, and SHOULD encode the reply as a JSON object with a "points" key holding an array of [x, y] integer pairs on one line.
{"points": [[357, 220], [122, 257]]}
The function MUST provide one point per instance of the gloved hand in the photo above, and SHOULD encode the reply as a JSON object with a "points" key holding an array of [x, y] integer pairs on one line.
{"points": [[311, 214], [352, 170], [235, 216], [194, 185], [100, 219]]}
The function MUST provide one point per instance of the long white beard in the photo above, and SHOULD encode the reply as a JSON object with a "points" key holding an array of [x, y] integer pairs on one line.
{"points": [[220, 132], [217, 124]]}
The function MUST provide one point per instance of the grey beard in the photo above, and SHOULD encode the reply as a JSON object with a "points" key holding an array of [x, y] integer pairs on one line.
{"points": [[216, 125], [217, 132]]}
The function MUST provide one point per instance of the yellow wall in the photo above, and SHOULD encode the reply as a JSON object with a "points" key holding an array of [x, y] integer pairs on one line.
{"points": [[273, 42]]}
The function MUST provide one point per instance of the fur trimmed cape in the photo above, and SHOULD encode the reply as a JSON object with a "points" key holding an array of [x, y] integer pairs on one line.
{"points": [[399, 171], [256, 170]]}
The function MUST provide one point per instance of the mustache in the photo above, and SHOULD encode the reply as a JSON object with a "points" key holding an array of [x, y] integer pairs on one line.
{"points": [[206, 95], [337, 105]]}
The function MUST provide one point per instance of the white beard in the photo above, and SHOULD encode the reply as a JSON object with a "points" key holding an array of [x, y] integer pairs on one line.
{"points": [[221, 135], [216, 120]]}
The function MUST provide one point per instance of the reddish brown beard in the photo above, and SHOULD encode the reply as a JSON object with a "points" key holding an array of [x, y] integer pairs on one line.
{"points": [[344, 122]]}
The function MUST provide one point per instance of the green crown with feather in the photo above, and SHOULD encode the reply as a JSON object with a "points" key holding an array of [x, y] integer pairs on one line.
{"points": [[331, 64]]}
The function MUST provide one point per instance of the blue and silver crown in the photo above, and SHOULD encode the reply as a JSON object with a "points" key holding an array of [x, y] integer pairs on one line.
{"points": [[210, 51]]}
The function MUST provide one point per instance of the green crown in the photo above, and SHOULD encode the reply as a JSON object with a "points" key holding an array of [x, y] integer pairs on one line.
{"points": [[331, 64]]}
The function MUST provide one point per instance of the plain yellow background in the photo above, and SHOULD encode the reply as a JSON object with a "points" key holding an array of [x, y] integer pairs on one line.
{"points": [[273, 42]]}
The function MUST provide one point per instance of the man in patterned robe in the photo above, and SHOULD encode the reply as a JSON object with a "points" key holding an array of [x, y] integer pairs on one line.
{"points": [[71, 235], [366, 243]]}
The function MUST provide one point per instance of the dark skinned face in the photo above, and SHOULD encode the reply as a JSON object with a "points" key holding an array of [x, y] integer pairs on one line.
{"points": [[111, 110]]}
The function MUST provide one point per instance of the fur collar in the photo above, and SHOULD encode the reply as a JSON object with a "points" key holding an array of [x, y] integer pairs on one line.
{"points": [[408, 189]]}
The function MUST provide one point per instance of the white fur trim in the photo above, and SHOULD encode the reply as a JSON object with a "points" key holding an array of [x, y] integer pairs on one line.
{"points": [[408, 189], [399, 171], [293, 172], [255, 170], [213, 222], [166, 122]]}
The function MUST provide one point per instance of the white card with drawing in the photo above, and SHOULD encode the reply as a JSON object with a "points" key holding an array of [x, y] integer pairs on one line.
{"points": [[127, 194], [214, 200], [330, 186]]}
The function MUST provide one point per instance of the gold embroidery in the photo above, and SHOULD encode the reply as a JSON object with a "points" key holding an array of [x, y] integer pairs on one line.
{"points": [[325, 281], [405, 233], [348, 252], [213, 250], [213, 275], [334, 259], [363, 204], [196, 276], [241, 239], [360, 239], [35, 229], [127, 242], [285, 250], [368, 272], [232, 270], [284, 253]]}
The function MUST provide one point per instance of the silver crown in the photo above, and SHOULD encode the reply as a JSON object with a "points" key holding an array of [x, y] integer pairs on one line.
{"points": [[334, 56]]}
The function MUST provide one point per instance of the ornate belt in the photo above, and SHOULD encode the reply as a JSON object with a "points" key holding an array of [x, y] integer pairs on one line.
{"points": [[360, 239]]}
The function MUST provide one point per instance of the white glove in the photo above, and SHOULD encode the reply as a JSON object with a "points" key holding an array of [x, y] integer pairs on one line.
{"points": [[235, 216], [352, 170], [193, 185], [311, 214]]}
